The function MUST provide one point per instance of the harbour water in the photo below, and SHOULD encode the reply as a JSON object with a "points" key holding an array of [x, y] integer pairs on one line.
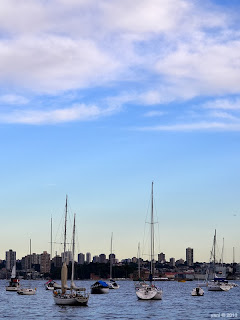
{"points": [[122, 303]]}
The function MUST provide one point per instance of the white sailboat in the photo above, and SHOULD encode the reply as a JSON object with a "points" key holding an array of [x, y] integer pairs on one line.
{"points": [[112, 283], [14, 281], [146, 291], [217, 284], [27, 291], [69, 295]]}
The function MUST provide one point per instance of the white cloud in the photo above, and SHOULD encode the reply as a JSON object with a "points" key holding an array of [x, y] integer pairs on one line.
{"points": [[200, 126], [75, 113], [224, 104], [154, 113], [13, 99]]}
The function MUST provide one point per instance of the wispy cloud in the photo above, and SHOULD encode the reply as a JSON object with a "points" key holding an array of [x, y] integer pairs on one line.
{"points": [[200, 126], [154, 113], [224, 104], [75, 113], [13, 99]]}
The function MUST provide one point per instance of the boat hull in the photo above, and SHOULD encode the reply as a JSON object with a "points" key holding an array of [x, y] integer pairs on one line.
{"points": [[197, 292], [99, 290], [71, 301], [12, 289], [27, 292]]}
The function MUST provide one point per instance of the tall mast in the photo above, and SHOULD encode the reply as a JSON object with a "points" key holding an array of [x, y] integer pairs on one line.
{"points": [[152, 238], [30, 255], [65, 232], [222, 251], [51, 237], [139, 273], [111, 258], [214, 252], [73, 251]]}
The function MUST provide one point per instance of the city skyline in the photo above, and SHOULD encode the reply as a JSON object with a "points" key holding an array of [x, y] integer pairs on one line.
{"points": [[97, 100]]}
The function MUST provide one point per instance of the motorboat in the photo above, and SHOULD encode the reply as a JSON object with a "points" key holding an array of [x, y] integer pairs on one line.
{"points": [[113, 284], [26, 291], [50, 285]]}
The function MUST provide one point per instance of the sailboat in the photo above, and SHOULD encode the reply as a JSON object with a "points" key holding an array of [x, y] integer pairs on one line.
{"points": [[217, 284], [69, 295], [112, 283], [27, 291], [145, 291], [14, 281]]}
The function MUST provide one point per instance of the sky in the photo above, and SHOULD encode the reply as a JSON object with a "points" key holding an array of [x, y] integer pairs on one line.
{"points": [[100, 98]]}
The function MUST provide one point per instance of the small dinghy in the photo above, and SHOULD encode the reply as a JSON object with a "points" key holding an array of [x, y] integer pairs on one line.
{"points": [[198, 291]]}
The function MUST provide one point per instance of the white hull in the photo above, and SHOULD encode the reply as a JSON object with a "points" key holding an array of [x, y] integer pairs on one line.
{"points": [[197, 292], [69, 300], [148, 293], [26, 291], [158, 296], [12, 289], [216, 287]]}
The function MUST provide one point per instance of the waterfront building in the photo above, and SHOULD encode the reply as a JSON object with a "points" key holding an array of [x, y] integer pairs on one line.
{"points": [[57, 261], [88, 257], [113, 257], [81, 258], [189, 256], [10, 259], [68, 257], [172, 262], [161, 257], [102, 258], [45, 262], [95, 259]]}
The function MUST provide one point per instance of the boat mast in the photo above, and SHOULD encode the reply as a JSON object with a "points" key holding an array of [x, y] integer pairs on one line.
{"points": [[51, 237], [152, 238], [111, 258], [65, 232], [214, 253], [73, 251], [139, 273]]}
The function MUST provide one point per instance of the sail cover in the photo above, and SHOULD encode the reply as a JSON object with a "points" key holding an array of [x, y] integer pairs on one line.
{"points": [[64, 276]]}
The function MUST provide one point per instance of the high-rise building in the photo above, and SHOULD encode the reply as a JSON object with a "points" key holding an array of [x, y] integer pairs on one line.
{"points": [[57, 261], [81, 258], [102, 258], [172, 262], [45, 262], [161, 257], [112, 257], [68, 257], [88, 257], [95, 259], [189, 256], [10, 259]]}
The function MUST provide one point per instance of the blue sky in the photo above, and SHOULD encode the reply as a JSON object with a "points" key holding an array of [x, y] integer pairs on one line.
{"points": [[99, 99]]}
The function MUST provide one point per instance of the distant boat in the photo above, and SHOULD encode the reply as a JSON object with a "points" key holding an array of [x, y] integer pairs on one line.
{"points": [[217, 284], [50, 285], [26, 291], [99, 287], [14, 283], [146, 291], [198, 291], [69, 295], [112, 283]]}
